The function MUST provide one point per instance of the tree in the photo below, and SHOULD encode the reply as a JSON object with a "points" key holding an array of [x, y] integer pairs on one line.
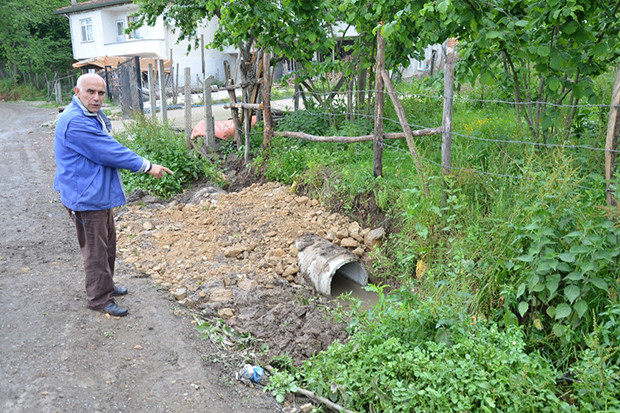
{"points": [[32, 38], [543, 53]]}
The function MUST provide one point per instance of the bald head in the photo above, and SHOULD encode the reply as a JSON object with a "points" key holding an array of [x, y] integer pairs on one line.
{"points": [[89, 77], [90, 89]]}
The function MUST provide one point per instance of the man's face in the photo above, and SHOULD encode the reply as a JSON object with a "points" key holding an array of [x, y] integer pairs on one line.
{"points": [[92, 93]]}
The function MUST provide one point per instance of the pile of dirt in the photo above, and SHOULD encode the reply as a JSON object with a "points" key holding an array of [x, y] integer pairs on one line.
{"points": [[232, 256]]}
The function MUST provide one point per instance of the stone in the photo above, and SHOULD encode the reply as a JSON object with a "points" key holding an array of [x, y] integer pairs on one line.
{"points": [[290, 270], [246, 284], [354, 228], [279, 269], [226, 312], [234, 251], [374, 237], [359, 251], [306, 408], [220, 294], [148, 226], [278, 252], [342, 233], [330, 236], [180, 293], [349, 243]]}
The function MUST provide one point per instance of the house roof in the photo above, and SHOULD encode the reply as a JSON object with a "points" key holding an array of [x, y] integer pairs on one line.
{"points": [[101, 62], [90, 5]]}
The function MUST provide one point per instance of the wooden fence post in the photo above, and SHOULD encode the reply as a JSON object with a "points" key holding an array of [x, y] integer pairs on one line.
{"points": [[106, 70], [58, 91], [209, 126], [448, 100], [202, 53], [611, 143], [152, 92], [379, 104], [233, 99], [446, 122], [188, 107], [267, 117], [296, 95], [163, 92]]}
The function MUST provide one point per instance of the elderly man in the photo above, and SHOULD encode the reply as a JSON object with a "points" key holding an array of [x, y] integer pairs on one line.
{"points": [[88, 160]]}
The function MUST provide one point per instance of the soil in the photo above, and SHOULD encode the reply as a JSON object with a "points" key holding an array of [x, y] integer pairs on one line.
{"points": [[227, 258]]}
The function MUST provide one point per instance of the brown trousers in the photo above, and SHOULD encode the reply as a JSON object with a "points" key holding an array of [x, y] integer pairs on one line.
{"points": [[97, 238]]}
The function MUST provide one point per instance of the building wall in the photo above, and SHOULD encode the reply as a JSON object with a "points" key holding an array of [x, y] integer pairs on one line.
{"points": [[158, 41]]}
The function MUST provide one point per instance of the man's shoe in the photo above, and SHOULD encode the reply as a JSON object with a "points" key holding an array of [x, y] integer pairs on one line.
{"points": [[113, 309], [119, 290]]}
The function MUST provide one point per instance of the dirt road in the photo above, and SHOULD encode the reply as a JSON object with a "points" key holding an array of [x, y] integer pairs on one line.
{"points": [[57, 356]]}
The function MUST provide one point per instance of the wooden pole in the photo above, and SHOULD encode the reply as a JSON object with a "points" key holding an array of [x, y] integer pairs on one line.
{"points": [[296, 95], [163, 93], [202, 53], [188, 107], [354, 139], [611, 143], [267, 117], [379, 106], [407, 129], [448, 99], [152, 91], [209, 126], [243, 105], [233, 99]]}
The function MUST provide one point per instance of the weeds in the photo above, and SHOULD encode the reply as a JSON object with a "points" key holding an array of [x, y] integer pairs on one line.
{"points": [[158, 143]]}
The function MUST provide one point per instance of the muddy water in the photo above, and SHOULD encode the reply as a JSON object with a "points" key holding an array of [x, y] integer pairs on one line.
{"points": [[343, 285]]}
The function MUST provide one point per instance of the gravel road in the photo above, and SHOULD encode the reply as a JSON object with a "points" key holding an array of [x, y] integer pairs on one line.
{"points": [[58, 356]]}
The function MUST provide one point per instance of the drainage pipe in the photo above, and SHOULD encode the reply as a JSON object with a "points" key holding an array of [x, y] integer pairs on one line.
{"points": [[319, 260]]}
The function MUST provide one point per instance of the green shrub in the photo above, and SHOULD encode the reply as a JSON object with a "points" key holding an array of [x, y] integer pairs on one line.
{"points": [[597, 375], [160, 144], [408, 355]]}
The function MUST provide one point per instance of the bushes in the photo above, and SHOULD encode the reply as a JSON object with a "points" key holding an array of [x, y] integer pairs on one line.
{"points": [[426, 356], [161, 145]]}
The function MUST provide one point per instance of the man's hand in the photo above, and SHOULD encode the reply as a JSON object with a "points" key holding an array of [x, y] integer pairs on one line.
{"points": [[159, 171]]}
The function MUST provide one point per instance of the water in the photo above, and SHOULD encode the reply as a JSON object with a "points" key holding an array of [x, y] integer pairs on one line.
{"points": [[343, 285]]}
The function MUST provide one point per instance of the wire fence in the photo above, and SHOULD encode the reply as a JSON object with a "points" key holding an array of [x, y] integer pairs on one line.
{"points": [[457, 130]]}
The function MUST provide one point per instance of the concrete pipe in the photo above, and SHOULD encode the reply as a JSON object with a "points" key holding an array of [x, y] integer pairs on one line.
{"points": [[319, 260]]}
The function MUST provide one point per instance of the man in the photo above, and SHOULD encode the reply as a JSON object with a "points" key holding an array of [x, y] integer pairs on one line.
{"points": [[88, 160]]}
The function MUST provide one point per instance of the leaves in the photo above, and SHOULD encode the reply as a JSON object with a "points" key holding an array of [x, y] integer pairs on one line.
{"points": [[563, 310]]}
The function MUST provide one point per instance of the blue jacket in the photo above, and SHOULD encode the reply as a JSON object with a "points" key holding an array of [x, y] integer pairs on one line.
{"points": [[88, 160]]}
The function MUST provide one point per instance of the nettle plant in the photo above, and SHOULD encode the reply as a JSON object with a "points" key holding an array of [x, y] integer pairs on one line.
{"points": [[568, 272]]}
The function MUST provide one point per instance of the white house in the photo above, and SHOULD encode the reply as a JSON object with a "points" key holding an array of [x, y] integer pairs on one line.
{"points": [[98, 29]]}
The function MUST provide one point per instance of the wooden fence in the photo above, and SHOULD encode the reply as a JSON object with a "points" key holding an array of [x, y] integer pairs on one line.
{"points": [[242, 112]]}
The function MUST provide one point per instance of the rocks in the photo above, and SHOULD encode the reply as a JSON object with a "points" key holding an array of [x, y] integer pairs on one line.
{"points": [[226, 312], [349, 243], [374, 237], [220, 295], [179, 293], [290, 270], [234, 251]]}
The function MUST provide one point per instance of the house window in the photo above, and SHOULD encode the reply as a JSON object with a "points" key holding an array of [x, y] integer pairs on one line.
{"points": [[120, 31], [87, 29], [134, 34]]}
